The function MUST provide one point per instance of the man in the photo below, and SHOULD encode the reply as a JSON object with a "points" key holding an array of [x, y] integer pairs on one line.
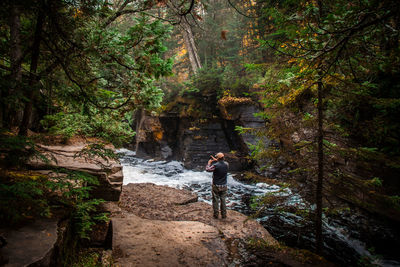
{"points": [[219, 167]]}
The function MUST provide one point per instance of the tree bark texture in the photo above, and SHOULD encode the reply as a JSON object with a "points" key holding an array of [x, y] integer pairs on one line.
{"points": [[190, 46], [318, 215], [31, 92], [10, 110]]}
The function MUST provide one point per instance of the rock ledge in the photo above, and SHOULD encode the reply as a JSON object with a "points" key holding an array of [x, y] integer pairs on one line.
{"points": [[162, 226]]}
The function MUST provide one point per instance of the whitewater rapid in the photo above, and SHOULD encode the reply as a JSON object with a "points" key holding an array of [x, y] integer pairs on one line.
{"points": [[173, 174], [240, 195]]}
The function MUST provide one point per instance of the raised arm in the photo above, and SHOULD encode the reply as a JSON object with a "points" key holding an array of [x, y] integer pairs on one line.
{"points": [[209, 167]]}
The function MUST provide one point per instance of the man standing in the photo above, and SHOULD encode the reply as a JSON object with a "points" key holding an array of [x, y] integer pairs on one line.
{"points": [[219, 167]]}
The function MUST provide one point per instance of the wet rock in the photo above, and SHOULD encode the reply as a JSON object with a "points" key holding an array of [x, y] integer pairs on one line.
{"points": [[297, 231], [238, 162], [199, 144], [272, 172], [376, 232], [171, 168], [166, 151], [243, 115]]}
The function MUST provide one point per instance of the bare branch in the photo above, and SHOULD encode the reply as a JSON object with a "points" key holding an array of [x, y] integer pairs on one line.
{"points": [[240, 12], [189, 9], [122, 11]]}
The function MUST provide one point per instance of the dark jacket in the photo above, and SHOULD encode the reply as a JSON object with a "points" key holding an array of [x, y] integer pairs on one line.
{"points": [[220, 172]]}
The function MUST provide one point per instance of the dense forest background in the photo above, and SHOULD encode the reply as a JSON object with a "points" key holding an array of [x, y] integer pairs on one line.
{"points": [[325, 76]]}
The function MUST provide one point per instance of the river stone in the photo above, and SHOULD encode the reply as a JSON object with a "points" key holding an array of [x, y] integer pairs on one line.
{"points": [[166, 151], [31, 245], [108, 173]]}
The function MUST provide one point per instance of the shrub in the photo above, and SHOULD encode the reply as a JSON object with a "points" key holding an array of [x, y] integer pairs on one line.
{"points": [[101, 125], [25, 195]]}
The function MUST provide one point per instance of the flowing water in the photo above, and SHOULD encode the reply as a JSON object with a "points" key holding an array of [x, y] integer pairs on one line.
{"points": [[172, 173], [338, 244]]}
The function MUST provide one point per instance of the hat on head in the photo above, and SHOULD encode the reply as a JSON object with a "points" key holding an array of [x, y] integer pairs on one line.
{"points": [[220, 155]]}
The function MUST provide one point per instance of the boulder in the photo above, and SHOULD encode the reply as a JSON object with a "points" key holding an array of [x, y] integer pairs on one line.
{"points": [[109, 173], [32, 245]]}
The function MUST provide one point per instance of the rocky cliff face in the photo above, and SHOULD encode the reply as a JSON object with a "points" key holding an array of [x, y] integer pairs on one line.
{"points": [[191, 140], [243, 114]]}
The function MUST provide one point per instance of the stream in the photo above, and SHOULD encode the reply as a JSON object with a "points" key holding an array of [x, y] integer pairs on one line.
{"points": [[286, 227]]}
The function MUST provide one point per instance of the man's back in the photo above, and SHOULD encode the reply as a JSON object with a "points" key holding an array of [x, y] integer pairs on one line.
{"points": [[220, 172]]}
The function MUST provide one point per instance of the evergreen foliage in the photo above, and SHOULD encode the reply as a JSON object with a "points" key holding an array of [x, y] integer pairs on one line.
{"points": [[71, 68], [87, 67], [333, 93], [326, 75], [26, 195]]}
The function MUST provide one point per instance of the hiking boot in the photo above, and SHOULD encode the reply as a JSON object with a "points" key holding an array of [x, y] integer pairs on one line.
{"points": [[215, 216]]}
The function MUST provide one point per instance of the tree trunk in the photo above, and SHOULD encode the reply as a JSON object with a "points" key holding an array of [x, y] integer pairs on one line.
{"points": [[10, 108], [318, 216], [190, 46], [31, 92], [49, 97]]}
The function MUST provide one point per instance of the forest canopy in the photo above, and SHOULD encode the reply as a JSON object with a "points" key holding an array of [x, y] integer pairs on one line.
{"points": [[78, 66]]}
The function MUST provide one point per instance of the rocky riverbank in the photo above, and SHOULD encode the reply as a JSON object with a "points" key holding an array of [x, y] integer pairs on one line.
{"points": [[162, 226], [151, 225]]}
